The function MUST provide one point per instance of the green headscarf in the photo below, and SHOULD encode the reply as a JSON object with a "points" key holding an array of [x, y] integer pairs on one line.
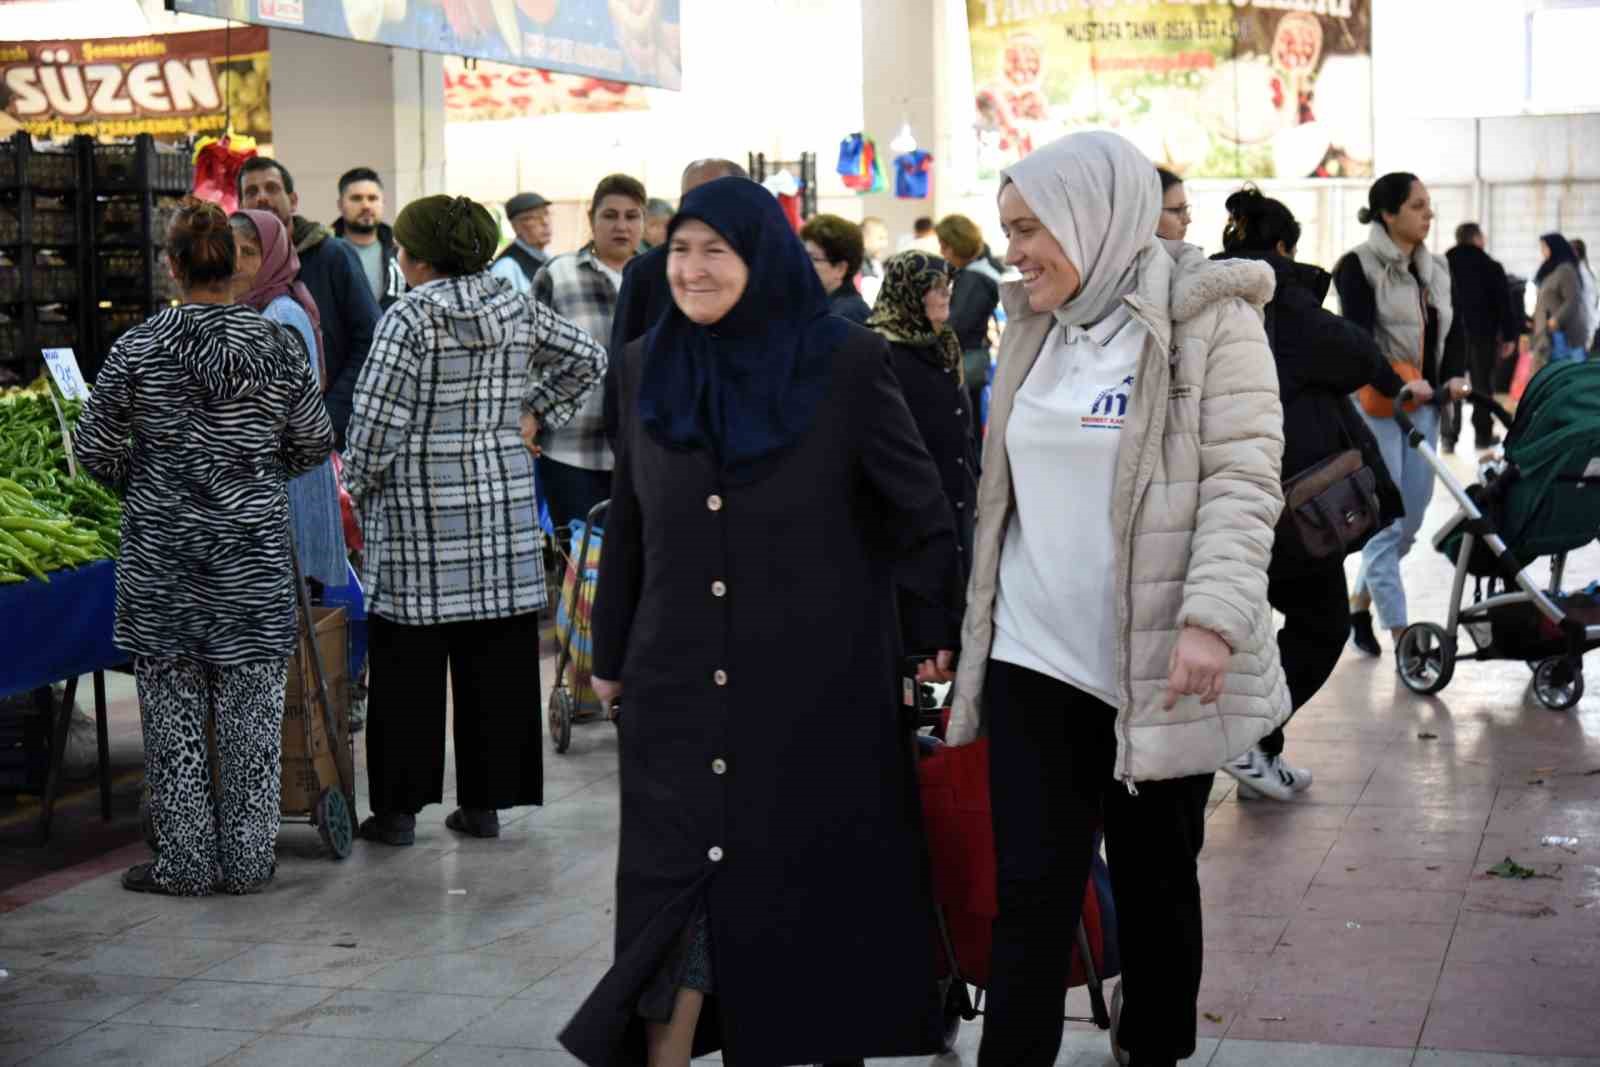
{"points": [[900, 316], [452, 233]]}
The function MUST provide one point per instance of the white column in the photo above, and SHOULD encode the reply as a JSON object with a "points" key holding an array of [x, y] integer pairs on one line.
{"points": [[339, 104]]}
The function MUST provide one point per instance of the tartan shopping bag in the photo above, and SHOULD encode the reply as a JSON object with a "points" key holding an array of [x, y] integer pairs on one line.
{"points": [[573, 611]]}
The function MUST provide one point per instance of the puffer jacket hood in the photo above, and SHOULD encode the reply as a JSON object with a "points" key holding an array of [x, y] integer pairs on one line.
{"points": [[477, 310], [231, 350]]}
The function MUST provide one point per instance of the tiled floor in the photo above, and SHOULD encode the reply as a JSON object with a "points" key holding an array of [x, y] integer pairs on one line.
{"points": [[1354, 928]]}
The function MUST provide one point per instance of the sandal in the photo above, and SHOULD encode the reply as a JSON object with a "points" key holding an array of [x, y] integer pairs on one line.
{"points": [[141, 878]]}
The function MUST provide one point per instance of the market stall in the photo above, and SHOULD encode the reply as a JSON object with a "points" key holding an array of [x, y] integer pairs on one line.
{"points": [[58, 537]]}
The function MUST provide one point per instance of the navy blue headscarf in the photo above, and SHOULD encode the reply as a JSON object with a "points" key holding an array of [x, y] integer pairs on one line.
{"points": [[1561, 251], [746, 388]]}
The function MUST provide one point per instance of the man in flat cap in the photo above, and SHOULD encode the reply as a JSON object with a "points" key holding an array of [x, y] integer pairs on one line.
{"points": [[529, 215]]}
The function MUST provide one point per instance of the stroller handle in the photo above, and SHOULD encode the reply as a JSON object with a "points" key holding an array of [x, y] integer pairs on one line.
{"points": [[1402, 417], [1484, 400]]}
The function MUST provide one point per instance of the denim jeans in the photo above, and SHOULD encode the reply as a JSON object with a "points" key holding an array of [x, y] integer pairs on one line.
{"points": [[1380, 560]]}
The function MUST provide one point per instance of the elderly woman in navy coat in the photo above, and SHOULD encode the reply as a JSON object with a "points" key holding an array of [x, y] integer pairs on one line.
{"points": [[771, 489]]}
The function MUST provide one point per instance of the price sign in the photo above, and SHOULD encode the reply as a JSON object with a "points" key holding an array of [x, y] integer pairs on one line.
{"points": [[64, 369]]}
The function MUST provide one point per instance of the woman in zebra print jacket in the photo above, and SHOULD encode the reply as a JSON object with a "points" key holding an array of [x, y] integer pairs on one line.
{"points": [[199, 418]]}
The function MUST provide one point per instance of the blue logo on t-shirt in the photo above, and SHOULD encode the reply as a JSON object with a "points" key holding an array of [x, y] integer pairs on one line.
{"points": [[1110, 407]]}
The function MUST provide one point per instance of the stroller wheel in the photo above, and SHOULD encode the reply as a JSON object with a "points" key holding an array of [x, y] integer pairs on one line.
{"points": [[1426, 658], [562, 710], [1558, 683]]}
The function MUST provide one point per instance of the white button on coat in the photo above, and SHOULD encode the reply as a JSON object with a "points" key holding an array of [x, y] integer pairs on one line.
{"points": [[719, 766], [721, 677], [719, 589], [714, 502], [715, 854]]}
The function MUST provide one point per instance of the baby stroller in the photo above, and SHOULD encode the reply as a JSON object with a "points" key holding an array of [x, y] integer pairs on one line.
{"points": [[1542, 499], [572, 697], [954, 783]]}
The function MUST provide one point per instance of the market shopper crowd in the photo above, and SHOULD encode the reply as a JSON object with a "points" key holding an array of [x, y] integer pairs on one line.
{"points": [[818, 471]]}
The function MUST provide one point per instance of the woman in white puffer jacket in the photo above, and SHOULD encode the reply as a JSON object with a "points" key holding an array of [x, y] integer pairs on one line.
{"points": [[1118, 646]]}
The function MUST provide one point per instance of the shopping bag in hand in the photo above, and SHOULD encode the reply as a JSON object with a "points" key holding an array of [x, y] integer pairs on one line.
{"points": [[573, 613]]}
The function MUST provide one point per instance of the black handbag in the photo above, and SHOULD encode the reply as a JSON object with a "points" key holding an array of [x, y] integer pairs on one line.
{"points": [[1329, 508]]}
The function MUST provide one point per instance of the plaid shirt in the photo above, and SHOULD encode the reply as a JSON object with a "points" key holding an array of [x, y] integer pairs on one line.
{"points": [[574, 286], [434, 459]]}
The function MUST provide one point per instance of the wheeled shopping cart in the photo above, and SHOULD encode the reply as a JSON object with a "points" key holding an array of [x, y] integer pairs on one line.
{"points": [[572, 696], [1541, 499]]}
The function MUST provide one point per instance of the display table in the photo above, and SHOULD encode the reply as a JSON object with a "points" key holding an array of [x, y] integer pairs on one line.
{"points": [[60, 630]]}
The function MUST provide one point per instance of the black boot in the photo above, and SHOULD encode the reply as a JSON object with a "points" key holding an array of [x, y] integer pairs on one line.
{"points": [[475, 822], [1361, 634]]}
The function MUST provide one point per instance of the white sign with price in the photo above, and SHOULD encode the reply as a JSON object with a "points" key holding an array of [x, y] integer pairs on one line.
{"points": [[64, 369]]}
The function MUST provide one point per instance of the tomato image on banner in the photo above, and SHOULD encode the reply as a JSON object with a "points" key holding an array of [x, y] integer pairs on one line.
{"points": [[1240, 89]]}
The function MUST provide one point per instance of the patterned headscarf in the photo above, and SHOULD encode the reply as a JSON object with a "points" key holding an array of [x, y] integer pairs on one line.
{"points": [[900, 315]]}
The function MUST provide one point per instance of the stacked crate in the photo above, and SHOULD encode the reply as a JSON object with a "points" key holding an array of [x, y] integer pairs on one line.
{"points": [[43, 252]]}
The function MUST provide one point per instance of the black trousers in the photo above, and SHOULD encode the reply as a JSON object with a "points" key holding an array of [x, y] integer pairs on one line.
{"points": [[1052, 754], [492, 666], [1483, 355], [1316, 624]]}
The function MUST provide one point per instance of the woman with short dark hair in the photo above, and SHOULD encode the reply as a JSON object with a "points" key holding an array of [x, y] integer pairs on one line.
{"points": [[1399, 292], [974, 296], [463, 374], [836, 249], [1175, 210], [199, 418], [582, 287]]}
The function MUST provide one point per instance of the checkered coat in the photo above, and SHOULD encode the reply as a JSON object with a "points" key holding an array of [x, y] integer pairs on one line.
{"points": [[434, 460], [573, 285]]}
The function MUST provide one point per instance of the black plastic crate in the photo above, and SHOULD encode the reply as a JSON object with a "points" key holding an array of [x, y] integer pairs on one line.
{"points": [[24, 164], [142, 165]]}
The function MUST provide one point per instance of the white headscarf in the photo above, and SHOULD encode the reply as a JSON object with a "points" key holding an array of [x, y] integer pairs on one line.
{"points": [[1100, 198]]}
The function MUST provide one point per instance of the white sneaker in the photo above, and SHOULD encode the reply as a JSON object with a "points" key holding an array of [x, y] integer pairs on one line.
{"points": [[1115, 1011], [1261, 775], [1299, 778]]}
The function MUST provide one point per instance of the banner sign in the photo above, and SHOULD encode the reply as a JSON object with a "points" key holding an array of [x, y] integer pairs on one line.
{"points": [[170, 85], [1240, 89], [485, 92], [634, 41]]}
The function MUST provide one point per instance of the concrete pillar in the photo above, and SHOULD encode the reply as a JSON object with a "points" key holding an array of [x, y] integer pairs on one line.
{"points": [[339, 104], [899, 71]]}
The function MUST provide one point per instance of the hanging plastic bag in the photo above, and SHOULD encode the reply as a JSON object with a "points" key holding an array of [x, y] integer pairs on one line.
{"points": [[216, 168]]}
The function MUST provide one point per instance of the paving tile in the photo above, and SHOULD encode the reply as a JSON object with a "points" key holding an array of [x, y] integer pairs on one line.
{"points": [[1351, 939], [1365, 904], [75, 997], [1346, 869], [1371, 1021], [128, 1045], [1515, 1026], [23, 1038], [477, 974], [361, 1013], [1408, 844], [1430, 1057], [283, 1050], [1241, 933], [1313, 972], [1405, 819], [456, 1054], [242, 1005], [1236, 1053], [534, 1018], [299, 965], [176, 957]]}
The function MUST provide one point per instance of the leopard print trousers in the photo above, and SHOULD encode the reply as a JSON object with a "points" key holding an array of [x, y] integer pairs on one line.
{"points": [[205, 846]]}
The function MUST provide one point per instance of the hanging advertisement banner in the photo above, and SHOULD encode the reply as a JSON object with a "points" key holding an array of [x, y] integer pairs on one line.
{"points": [[173, 85], [1242, 89], [486, 92], [634, 41]]}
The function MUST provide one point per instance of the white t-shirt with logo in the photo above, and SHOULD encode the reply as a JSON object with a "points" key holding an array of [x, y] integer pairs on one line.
{"points": [[1056, 609]]}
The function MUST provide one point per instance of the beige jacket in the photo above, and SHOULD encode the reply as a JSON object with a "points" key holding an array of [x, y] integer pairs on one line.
{"points": [[1197, 496]]}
